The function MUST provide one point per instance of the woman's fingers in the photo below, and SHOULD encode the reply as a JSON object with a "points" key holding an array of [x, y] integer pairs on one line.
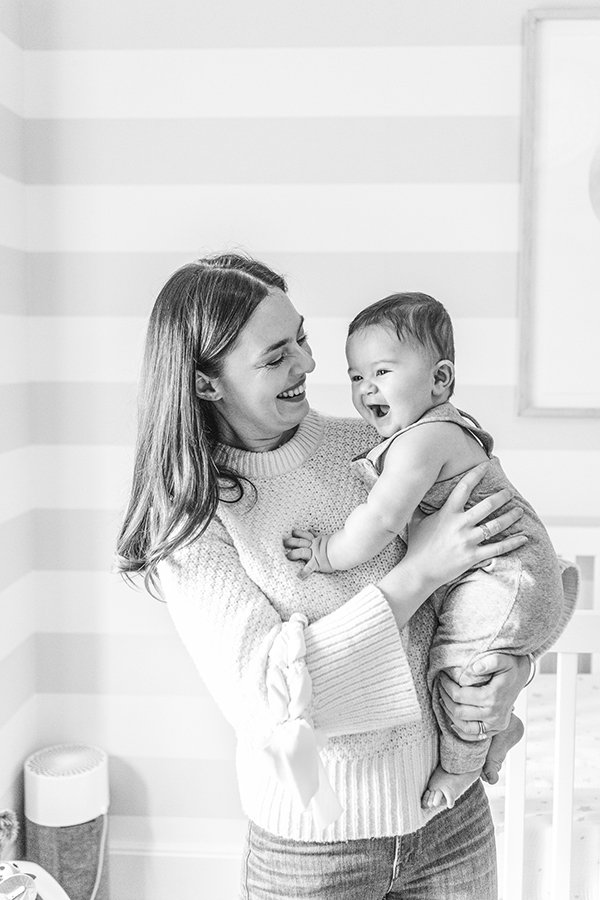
{"points": [[498, 548], [461, 493], [489, 505]]}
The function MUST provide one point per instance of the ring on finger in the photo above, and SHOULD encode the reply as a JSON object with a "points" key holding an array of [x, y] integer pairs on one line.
{"points": [[482, 730], [487, 534]]}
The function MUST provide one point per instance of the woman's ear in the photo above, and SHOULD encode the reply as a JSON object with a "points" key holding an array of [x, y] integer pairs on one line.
{"points": [[207, 388], [443, 377]]}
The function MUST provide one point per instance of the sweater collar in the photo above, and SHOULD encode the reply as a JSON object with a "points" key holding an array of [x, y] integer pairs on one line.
{"points": [[289, 456]]}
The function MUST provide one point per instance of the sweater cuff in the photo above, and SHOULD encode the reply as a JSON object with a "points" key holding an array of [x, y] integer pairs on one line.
{"points": [[360, 674], [570, 581]]}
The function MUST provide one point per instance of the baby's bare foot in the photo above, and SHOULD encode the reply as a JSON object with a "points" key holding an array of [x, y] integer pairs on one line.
{"points": [[445, 788], [499, 747]]}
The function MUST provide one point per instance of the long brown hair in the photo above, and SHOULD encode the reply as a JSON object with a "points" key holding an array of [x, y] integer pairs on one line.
{"points": [[196, 319]]}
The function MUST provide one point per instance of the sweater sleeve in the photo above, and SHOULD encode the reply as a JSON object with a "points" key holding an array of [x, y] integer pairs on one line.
{"points": [[360, 679]]}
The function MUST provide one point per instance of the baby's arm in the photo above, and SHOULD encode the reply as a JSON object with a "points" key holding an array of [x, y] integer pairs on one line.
{"points": [[412, 464]]}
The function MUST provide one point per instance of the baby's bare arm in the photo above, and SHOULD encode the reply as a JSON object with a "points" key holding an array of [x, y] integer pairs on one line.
{"points": [[412, 464]]}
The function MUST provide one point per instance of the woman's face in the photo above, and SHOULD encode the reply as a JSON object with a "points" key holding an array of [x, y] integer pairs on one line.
{"points": [[260, 393]]}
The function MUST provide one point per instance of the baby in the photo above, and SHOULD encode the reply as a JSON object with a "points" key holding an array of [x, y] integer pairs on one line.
{"points": [[400, 355]]}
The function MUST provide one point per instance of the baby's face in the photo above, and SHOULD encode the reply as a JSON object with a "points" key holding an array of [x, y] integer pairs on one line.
{"points": [[392, 380]]}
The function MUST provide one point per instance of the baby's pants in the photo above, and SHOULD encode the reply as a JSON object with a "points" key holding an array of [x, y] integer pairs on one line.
{"points": [[502, 607]]}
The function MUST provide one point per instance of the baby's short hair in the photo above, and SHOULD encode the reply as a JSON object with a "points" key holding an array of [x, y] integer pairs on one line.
{"points": [[414, 316]]}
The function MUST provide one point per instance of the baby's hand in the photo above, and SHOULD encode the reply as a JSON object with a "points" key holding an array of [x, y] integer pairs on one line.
{"points": [[310, 548]]}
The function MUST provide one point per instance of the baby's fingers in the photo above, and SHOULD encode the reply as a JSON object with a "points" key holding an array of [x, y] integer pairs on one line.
{"points": [[292, 543], [300, 553]]}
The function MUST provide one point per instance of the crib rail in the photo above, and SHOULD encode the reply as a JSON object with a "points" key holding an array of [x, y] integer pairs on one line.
{"points": [[582, 635]]}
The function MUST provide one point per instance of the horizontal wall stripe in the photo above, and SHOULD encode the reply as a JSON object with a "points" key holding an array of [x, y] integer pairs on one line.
{"points": [[495, 408], [97, 603], [17, 549], [60, 349], [359, 218], [17, 483], [84, 540], [14, 349], [12, 213], [286, 150], [218, 837], [12, 145], [116, 664], [18, 738], [75, 539], [16, 615], [14, 400], [80, 477], [17, 679], [554, 480], [12, 281], [153, 876], [173, 728], [93, 25], [336, 81], [206, 788], [84, 413], [11, 75], [470, 284], [11, 14]]}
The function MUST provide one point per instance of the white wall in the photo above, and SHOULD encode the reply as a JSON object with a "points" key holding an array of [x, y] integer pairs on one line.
{"points": [[360, 148]]}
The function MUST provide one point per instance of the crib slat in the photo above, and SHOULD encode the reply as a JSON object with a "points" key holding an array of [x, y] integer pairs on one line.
{"points": [[564, 759], [514, 812]]}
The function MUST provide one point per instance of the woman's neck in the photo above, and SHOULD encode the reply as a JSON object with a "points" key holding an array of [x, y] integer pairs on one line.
{"points": [[251, 442]]}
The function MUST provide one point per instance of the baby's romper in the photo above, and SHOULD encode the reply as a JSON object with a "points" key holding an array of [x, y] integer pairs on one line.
{"points": [[512, 604]]}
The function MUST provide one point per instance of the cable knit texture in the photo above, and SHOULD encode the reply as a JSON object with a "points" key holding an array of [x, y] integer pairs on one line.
{"points": [[230, 593]]}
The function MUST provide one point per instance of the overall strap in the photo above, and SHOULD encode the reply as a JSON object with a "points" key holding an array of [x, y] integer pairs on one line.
{"points": [[446, 412]]}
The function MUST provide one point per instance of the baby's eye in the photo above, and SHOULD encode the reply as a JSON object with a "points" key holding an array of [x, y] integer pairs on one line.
{"points": [[356, 378], [382, 371]]}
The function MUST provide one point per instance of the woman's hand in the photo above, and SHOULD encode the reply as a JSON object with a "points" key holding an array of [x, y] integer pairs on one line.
{"points": [[489, 703], [447, 543]]}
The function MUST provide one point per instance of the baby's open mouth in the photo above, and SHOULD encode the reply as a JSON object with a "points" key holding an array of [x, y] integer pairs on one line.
{"points": [[380, 410]]}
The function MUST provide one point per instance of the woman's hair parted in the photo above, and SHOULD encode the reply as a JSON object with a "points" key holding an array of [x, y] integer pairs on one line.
{"points": [[196, 320]]}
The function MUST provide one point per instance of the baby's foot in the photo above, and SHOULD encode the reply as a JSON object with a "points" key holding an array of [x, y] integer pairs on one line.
{"points": [[499, 747], [445, 788]]}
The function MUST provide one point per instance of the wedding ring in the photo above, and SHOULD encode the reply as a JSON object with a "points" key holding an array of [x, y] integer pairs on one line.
{"points": [[487, 534], [482, 730]]}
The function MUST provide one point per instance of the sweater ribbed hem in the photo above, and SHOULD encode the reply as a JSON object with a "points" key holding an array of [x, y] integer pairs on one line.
{"points": [[359, 669], [380, 795]]}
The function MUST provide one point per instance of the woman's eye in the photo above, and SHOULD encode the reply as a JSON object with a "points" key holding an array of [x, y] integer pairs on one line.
{"points": [[275, 362], [302, 339]]}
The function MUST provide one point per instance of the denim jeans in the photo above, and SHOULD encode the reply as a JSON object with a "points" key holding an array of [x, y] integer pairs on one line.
{"points": [[452, 858]]}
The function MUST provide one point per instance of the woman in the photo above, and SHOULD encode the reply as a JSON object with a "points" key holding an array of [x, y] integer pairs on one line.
{"points": [[324, 680]]}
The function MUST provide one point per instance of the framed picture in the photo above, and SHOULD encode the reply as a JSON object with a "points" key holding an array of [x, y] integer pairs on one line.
{"points": [[559, 283]]}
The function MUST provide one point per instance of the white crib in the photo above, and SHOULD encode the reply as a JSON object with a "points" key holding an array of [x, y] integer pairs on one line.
{"points": [[581, 636]]}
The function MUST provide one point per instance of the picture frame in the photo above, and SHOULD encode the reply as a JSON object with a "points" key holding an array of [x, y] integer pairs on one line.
{"points": [[559, 261]]}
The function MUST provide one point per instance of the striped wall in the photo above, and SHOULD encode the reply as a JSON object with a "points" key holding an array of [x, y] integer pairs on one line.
{"points": [[357, 150], [17, 625]]}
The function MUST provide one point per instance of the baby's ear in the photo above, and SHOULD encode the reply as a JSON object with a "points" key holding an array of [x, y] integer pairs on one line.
{"points": [[443, 377], [207, 388]]}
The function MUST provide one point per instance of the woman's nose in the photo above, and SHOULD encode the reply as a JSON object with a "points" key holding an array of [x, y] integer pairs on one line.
{"points": [[306, 359]]}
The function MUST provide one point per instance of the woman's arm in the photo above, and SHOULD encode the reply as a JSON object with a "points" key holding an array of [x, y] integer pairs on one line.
{"points": [[492, 703], [446, 544]]}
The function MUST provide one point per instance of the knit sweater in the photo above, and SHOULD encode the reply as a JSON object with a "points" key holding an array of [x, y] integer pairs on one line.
{"points": [[234, 596]]}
